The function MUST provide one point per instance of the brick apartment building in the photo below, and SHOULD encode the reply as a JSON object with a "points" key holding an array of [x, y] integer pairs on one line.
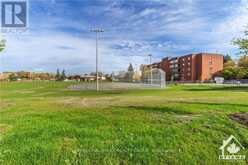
{"points": [[192, 67]]}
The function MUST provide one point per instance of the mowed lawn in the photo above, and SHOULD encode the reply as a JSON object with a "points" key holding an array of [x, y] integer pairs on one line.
{"points": [[45, 123]]}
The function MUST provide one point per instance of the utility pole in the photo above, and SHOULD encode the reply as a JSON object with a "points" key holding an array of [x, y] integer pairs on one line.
{"points": [[150, 66], [97, 30]]}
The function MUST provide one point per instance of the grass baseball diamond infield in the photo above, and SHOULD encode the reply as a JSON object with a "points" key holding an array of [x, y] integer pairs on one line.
{"points": [[49, 123]]}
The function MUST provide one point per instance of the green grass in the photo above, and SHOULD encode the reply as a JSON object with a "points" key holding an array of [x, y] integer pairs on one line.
{"points": [[44, 123]]}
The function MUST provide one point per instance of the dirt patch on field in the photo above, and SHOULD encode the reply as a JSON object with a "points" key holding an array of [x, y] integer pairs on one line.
{"points": [[25, 92], [67, 144], [89, 102], [4, 128], [241, 118], [4, 104], [101, 101], [186, 118]]}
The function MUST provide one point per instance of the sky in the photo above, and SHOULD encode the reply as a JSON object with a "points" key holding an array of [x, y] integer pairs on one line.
{"points": [[59, 33]]}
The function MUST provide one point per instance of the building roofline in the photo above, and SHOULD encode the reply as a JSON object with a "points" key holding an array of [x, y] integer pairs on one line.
{"points": [[204, 53], [191, 54]]}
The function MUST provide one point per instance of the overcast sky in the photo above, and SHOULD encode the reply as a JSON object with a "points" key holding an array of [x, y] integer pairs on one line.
{"points": [[59, 35]]}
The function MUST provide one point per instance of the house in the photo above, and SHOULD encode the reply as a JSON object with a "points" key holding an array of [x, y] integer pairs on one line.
{"points": [[5, 76], [74, 78], [88, 78]]}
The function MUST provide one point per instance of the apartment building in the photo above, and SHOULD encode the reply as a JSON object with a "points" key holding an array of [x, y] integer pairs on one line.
{"points": [[192, 67]]}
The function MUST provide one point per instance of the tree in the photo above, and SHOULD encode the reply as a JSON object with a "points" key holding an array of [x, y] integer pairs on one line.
{"points": [[57, 77], [243, 62], [230, 73], [242, 73], [2, 45], [229, 64], [130, 68], [243, 66], [63, 76], [129, 73], [13, 77], [242, 43], [227, 58], [230, 69]]}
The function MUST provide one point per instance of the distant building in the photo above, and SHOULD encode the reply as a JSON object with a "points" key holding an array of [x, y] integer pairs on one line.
{"points": [[4, 76], [74, 78], [192, 67], [86, 77], [89, 78]]}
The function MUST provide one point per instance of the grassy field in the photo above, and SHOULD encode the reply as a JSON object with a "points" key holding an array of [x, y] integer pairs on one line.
{"points": [[45, 123]]}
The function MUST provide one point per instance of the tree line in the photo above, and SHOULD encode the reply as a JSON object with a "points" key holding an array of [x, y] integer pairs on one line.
{"points": [[60, 76], [237, 69]]}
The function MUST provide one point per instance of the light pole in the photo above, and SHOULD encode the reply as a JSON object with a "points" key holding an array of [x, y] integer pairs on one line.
{"points": [[150, 66], [97, 30]]}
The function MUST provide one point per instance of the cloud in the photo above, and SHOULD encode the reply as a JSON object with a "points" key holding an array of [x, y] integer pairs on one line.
{"points": [[228, 29], [60, 38], [59, 50], [66, 47], [137, 47]]}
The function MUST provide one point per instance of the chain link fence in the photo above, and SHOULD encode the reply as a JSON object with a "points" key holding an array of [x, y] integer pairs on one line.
{"points": [[154, 79]]}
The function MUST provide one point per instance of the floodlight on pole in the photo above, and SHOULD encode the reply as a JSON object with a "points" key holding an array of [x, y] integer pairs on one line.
{"points": [[150, 66], [97, 30]]}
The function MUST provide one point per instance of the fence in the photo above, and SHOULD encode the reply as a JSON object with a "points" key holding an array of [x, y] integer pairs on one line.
{"points": [[128, 80]]}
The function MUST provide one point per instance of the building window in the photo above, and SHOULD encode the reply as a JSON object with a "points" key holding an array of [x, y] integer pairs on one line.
{"points": [[211, 60], [189, 63]]}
